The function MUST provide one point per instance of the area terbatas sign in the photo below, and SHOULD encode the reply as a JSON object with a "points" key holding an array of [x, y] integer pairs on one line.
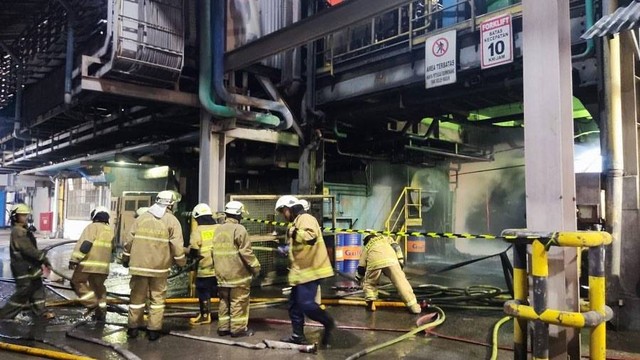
{"points": [[496, 46], [440, 59]]}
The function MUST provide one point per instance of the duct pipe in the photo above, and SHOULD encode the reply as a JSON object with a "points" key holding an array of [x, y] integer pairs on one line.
{"points": [[588, 23], [217, 23], [205, 76], [68, 66], [17, 122], [107, 154], [614, 149], [107, 35]]}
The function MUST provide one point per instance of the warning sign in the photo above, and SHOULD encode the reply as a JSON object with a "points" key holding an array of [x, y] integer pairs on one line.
{"points": [[440, 59], [496, 44]]}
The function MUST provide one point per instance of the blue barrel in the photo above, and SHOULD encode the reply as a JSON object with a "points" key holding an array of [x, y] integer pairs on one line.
{"points": [[338, 253], [416, 249], [351, 250]]}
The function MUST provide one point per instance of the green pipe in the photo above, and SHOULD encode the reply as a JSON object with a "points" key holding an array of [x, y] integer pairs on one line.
{"points": [[588, 23], [205, 93]]}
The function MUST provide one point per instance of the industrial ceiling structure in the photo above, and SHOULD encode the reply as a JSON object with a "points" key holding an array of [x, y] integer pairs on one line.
{"points": [[90, 77]]}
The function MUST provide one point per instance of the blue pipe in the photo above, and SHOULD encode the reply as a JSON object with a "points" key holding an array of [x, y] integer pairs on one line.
{"points": [[207, 60], [218, 12], [588, 23]]}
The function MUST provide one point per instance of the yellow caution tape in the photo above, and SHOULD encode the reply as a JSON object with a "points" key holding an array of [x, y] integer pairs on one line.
{"points": [[402, 233]]}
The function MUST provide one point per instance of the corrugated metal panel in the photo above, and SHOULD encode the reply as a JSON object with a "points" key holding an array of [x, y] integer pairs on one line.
{"points": [[249, 20], [625, 18]]}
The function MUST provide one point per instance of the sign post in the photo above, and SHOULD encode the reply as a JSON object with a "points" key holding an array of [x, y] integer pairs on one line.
{"points": [[496, 44], [440, 60]]}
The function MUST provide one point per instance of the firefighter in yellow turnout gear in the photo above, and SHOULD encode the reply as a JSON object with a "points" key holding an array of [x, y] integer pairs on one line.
{"points": [[382, 255], [26, 267], [153, 244], [309, 263], [201, 250], [234, 263], [90, 261]]}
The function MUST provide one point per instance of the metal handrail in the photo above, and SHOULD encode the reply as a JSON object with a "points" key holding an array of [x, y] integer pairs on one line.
{"points": [[401, 36]]}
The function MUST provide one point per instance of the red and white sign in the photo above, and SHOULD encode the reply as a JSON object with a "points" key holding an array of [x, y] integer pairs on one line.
{"points": [[440, 59], [496, 44]]}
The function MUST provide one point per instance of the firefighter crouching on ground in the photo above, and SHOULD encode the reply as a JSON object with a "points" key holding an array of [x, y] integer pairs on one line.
{"points": [[382, 255], [90, 261], [201, 250], [234, 263], [153, 244], [309, 262], [26, 267]]}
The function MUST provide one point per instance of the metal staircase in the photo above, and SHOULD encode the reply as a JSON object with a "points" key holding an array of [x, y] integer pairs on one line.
{"points": [[406, 213]]}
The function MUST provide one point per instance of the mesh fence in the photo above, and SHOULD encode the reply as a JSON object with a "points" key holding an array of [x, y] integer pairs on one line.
{"points": [[274, 267]]}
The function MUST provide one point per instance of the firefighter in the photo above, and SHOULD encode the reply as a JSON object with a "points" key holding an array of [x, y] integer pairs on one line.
{"points": [[26, 267], [201, 251], [153, 244], [382, 255], [309, 263], [90, 261], [234, 263]]}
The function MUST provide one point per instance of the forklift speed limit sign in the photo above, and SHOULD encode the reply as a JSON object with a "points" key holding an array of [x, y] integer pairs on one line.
{"points": [[496, 44]]}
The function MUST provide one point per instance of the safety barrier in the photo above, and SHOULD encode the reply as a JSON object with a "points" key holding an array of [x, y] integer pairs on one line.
{"points": [[595, 318]]}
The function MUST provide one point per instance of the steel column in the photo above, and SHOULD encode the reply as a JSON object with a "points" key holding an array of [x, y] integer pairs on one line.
{"points": [[212, 170], [549, 174]]}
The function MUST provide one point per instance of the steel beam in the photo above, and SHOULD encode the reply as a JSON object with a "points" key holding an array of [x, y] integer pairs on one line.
{"points": [[267, 136], [312, 28]]}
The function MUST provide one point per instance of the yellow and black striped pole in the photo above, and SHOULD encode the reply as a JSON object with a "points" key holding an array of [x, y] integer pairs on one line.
{"points": [[540, 273], [520, 293], [598, 336]]}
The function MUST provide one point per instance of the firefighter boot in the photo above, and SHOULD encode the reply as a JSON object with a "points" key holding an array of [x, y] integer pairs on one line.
{"points": [[325, 319], [205, 314], [297, 337]]}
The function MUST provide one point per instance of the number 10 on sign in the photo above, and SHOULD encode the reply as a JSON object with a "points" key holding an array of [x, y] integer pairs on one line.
{"points": [[496, 43]]}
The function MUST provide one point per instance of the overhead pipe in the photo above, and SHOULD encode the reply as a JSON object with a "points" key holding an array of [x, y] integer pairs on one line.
{"points": [[268, 86], [102, 51], [588, 23], [217, 16], [68, 66], [17, 121], [614, 151], [205, 95]]}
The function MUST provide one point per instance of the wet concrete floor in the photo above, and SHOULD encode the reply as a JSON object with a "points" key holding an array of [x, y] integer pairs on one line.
{"points": [[466, 325]]}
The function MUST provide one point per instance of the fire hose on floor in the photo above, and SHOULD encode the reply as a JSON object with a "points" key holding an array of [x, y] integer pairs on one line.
{"points": [[118, 349], [422, 325], [50, 354]]}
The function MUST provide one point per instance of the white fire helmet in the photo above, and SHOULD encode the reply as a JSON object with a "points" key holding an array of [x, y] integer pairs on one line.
{"points": [[99, 209], [201, 210], [234, 208], [167, 197], [286, 201]]}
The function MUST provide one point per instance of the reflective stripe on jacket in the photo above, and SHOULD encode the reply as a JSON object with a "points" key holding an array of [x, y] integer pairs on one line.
{"points": [[233, 257], [153, 245], [202, 240], [97, 260], [378, 253], [307, 251], [26, 259]]}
